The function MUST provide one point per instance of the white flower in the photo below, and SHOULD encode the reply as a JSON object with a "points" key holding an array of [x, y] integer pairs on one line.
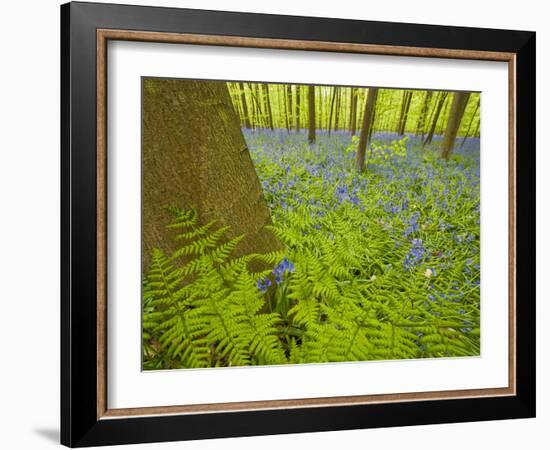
{"points": [[428, 273]]}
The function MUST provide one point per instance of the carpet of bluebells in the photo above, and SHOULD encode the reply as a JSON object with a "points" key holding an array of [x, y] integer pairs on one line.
{"points": [[410, 222]]}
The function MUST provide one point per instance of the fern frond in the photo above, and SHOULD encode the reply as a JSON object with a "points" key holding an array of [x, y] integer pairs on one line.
{"points": [[199, 247], [195, 232]]}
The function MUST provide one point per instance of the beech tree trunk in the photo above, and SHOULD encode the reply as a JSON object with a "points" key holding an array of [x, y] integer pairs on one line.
{"points": [[407, 96], [332, 102], [421, 124], [371, 127], [460, 100], [285, 105], [365, 128], [268, 105], [353, 112], [337, 111], [311, 108], [195, 156], [245, 107], [289, 107], [438, 108], [470, 124], [298, 88]]}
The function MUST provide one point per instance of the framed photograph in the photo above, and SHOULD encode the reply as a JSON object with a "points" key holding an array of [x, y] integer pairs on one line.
{"points": [[276, 224]]}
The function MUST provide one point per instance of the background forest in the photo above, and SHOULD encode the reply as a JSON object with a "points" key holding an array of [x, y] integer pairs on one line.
{"points": [[301, 224]]}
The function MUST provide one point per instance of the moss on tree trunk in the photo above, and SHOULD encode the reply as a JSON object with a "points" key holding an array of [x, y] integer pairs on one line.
{"points": [[195, 156]]}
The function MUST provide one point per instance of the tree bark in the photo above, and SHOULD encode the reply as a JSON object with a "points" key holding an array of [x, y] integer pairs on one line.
{"points": [[438, 108], [476, 132], [195, 156], [254, 92], [298, 87], [353, 112], [311, 108], [421, 124], [244, 106], [268, 105], [471, 122], [444, 116], [370, 104], [460, 100], [289, 106], [407, 96], [331, 110], [286, 107], [337, 110], [372, 122]]}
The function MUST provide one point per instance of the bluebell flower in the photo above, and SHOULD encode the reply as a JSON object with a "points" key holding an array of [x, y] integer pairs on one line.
{"points": [[280, 269], [416, 254], [413, 224], [263, 283]]}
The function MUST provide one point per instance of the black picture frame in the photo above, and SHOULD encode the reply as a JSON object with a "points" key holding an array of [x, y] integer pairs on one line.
{"points": [[80, 425]]}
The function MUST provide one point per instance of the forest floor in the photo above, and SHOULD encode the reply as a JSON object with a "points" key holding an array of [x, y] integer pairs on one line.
{"points": [[408, 228], [380, 265]]}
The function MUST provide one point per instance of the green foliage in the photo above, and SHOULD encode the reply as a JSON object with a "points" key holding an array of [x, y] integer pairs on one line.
{"points": [[283, 105], [399, 243], [201, 308], [329, 300]]}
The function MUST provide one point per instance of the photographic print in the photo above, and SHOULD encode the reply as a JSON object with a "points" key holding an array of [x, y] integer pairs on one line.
{"points": [[291, 224]]}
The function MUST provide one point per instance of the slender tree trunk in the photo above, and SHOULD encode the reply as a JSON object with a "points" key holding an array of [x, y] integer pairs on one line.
{"points": [[324, 105], [337, 111], [353, 112], [372, 122], [236, 100], [471, 122], [257, 108], [370, 105], [319, 116], [397, 114], [244, 106], [281, 109], [443, 119], [251, 106], [261, 104], [460, 100], [195, 156], [476, 132], [421, 124], [403, 102], [439, 106], [298, 88], [311, 110], [332, 102], [407, 96], [268, 106], [388, 112], [289, 106]]}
